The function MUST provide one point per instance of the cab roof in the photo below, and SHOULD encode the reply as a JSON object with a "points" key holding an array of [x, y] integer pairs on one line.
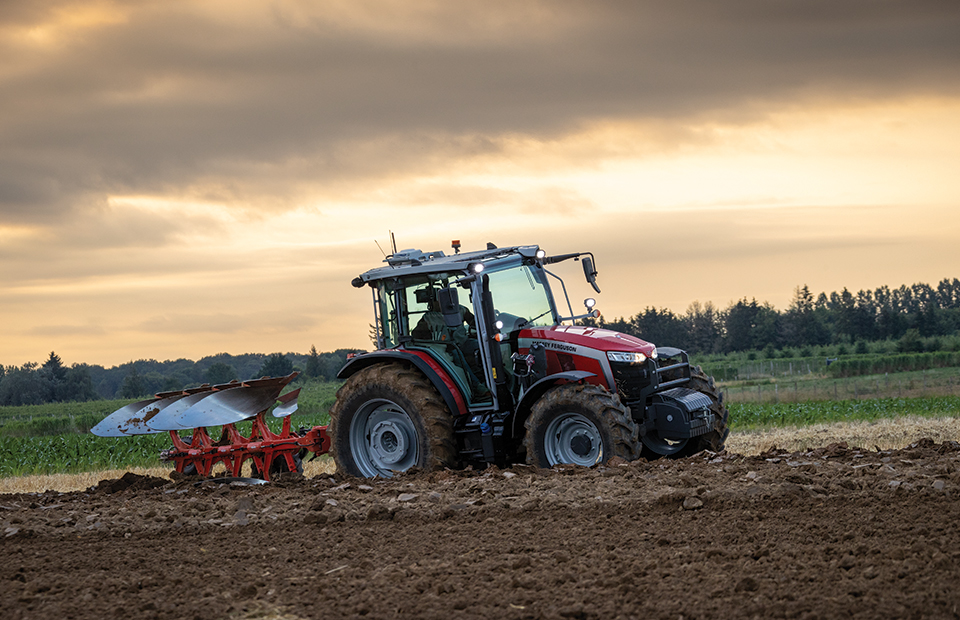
{"points": [[412, 261]]}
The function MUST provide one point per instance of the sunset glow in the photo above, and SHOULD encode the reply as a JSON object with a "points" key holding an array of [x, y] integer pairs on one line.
{"points": [[181, 179]]}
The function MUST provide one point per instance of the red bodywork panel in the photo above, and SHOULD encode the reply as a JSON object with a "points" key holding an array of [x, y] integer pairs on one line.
{"points": [[592, 337], [571, 347]]}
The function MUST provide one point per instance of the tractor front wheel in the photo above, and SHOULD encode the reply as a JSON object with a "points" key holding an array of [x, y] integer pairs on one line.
{"points": [[389, 418], [655, 446], [579, 424]]}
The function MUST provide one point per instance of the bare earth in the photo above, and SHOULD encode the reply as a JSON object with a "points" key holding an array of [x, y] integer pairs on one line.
{"points": [[832, 532]]}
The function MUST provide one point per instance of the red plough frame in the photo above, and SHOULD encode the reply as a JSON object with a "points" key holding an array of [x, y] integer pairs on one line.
{"points": [[233, 449]]}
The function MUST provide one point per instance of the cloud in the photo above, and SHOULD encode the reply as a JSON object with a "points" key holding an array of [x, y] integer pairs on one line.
{"points": [[246, 102], [61, 331]]}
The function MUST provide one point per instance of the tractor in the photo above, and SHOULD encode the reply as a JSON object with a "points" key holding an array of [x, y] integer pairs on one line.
{"points": [[476, 364]]}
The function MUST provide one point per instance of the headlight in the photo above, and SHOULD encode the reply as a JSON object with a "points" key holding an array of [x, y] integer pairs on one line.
{"points": [[626, 357]]}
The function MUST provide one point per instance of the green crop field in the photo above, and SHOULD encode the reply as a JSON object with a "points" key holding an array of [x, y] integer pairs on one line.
{"points": [[750, 416], [54, 438]]}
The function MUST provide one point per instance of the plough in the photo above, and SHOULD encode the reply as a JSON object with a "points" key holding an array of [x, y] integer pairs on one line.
{"points": [[223, 405]]}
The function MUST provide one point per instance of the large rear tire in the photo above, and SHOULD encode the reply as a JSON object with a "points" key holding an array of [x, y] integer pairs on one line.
{"points": [[655, 447], [389, 418], [579, 424]]}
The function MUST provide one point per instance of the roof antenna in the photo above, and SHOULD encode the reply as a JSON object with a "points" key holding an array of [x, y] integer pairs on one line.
{"points": [[379, 248], [393, 242]]}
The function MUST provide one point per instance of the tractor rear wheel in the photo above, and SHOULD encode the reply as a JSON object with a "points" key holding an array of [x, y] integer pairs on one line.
{"points": [[579, 424], [387, 418], [655, 446]]}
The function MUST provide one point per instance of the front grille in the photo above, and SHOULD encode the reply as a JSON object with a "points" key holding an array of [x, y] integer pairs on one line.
{"points": [[631, 379]]}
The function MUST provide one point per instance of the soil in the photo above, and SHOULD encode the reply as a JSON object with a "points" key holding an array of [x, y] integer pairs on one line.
{"points": [[833, 532]]}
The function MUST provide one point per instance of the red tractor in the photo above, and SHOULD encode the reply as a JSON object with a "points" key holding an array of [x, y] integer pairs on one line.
{"points": [[476, 363]]}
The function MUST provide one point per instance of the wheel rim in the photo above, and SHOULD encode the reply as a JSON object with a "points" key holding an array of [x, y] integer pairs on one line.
{"points": [[572, 438], [383, 439], [663, 447]]}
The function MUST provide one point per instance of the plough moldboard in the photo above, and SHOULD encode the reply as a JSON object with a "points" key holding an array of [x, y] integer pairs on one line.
{"points": [[222, 405]]}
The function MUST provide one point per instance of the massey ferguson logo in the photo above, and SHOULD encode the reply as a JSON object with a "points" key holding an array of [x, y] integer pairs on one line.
{"points": [[556, 346]]}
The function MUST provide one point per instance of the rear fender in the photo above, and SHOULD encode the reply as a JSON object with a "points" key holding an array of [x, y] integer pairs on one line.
{"points": [[423, 362], [538, 389]]}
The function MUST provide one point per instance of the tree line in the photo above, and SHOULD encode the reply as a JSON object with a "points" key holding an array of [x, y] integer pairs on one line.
{"points": [[915, 316], [53, 381]]}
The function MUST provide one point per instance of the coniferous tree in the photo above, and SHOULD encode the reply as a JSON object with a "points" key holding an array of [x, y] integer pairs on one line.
{"points": [[313, 363], [53, 374]]}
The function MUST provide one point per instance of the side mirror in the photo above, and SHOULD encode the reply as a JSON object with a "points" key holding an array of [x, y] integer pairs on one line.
{"points": [[449, 302], [590, 272]]}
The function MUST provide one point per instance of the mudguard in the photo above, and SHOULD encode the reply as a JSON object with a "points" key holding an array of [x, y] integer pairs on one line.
{"points": [[537, 390], [424, 363]]}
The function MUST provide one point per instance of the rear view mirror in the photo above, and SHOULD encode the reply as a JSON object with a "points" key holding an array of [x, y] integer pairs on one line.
{"points": [[590, 272], [450, 307]]}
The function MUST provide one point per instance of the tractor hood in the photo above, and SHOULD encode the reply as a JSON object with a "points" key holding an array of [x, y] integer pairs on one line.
{"points": [[592, 337]]}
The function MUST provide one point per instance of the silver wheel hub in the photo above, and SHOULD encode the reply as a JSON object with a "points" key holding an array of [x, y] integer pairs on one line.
{"points": [[383, 439], [572, 438], [388, 442]]}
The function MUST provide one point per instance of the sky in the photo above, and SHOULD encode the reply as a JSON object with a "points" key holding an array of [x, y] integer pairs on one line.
{"points": [[183, 178]]}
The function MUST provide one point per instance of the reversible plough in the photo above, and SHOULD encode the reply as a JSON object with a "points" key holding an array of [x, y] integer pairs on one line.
{"points": [[223, 405]]}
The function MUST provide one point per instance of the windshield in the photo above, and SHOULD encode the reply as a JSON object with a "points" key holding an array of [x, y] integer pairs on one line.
{"points": [[521, 297]]}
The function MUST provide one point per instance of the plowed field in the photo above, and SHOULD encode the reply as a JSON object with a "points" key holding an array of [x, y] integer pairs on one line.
{"points": [[834, 532]]}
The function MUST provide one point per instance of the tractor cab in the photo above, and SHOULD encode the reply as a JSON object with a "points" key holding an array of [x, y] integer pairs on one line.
{"points": [[466, 312]]}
